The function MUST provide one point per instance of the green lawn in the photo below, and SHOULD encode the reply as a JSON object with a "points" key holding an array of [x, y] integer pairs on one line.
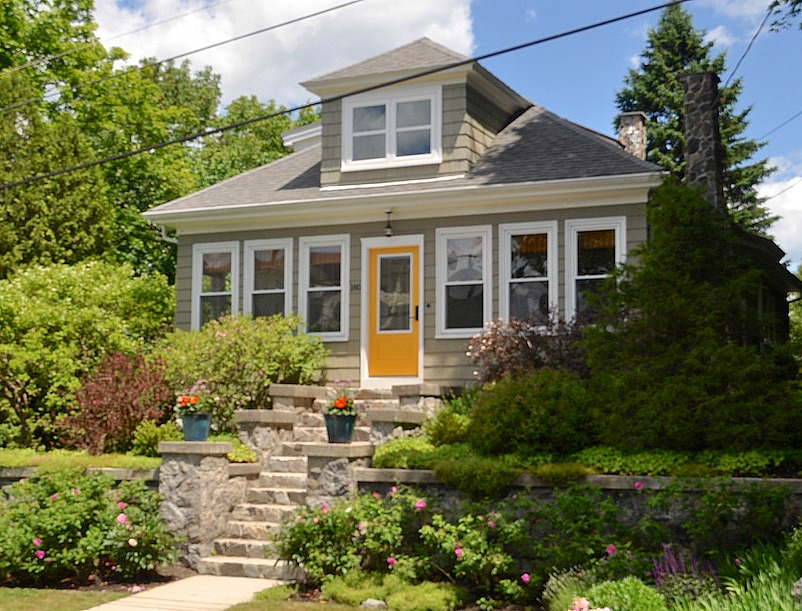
{"points": [[34, 599]]}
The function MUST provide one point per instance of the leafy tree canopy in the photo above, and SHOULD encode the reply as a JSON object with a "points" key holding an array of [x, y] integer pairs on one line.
{"points": [[673, 48], [786, 11]]}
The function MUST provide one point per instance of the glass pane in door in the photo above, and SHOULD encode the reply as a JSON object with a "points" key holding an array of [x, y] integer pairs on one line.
{"points": [[394, 293]]}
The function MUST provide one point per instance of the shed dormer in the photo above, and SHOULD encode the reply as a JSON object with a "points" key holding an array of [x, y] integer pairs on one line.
{"points": [[432, 126]]}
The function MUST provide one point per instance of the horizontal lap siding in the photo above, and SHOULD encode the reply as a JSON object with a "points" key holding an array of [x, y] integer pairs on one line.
{"points": [[445, 361]]}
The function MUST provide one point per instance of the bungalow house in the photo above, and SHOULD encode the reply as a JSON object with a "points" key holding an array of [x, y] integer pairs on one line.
{"points": [[411, 215]]}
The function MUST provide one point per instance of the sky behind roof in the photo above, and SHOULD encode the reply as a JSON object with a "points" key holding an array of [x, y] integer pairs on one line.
{"points": [[576, 77]]}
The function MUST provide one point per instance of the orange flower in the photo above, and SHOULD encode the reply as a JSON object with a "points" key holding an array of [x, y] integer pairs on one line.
{"points": [[194, 399], [341, 403]]}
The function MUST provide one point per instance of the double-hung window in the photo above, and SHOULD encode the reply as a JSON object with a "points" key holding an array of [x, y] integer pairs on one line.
{"points": [[215, 281], [464, 273], [396, 129], [594, 248], [267, 279], [528, 271], [323, 285]]}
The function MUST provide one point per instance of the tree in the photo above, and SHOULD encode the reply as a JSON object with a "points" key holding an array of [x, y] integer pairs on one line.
{"points": [[786, 11], [56, 323], [232, 152], [675, 47], [672, 364]]}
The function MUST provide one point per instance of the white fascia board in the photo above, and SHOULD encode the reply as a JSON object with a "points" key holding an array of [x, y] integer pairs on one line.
{"points": [[429, 203]]}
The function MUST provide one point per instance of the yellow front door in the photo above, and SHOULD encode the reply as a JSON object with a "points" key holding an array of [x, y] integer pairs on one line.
{"points": [[393, 311]]}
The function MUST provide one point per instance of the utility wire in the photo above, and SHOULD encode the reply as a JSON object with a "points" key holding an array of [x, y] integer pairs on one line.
{"points": [[783, 124], [749, 46], [48, 58], [218, 130], [788, 188], [135, 69]]}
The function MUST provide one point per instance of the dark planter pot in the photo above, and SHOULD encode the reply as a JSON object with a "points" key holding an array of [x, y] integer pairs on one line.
{"points": [[196, 426], [340, 429]]}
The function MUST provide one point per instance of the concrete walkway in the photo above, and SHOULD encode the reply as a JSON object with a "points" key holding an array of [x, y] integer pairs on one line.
{"points": [[196, 593]]}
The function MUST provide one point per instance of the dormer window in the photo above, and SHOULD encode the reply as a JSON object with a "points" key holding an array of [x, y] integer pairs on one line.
{"points": [[390, 129]]}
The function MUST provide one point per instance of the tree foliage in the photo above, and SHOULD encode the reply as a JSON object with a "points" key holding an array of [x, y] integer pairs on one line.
{"points": [[66, 100], [673, 48], [672, 365], [786, 11], [56, 323]]}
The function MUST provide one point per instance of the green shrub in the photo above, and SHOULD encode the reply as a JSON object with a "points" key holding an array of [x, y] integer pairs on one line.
{"points": [[562, 474], [239, 358], [149, 433], [617, 461], [563, 587], [56, 323], [416, 453], [356, 587], [239, 453], [447, 427], [68, 525], [542, 411], [478, 476], [626, 595]]}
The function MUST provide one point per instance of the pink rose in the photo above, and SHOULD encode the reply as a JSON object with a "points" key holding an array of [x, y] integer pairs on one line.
{"points": [[638, 486], [37, 542], [526, 578], [54, 496], [610, 549], [122, 505], [420, 504], [391, 561], [491, 524], [122, 519], [40, 553], [458, 552], [324, 509]]}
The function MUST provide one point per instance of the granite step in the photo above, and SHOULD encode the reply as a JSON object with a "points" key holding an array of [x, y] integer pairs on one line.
{"points": [[249, 548], [262, 512], [293, 481], [276, 496], [242, 566], [250, 529]]}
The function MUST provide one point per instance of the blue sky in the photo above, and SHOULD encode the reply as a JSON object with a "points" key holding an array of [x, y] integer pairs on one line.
{"points": [[576, 77]]}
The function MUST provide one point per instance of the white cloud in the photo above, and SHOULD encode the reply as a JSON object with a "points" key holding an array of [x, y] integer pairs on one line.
{"points": [[720, 36], [786, 202], [270, 65], [737, 8]]}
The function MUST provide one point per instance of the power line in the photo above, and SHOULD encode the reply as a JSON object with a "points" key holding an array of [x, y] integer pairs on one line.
{"points": [[749, 46], [225, 128], [783, 124], [135, 69], [70, 51], [788, 188]]}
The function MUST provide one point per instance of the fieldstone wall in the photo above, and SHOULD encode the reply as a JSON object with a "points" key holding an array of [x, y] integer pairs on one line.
{"points": [[199, 494]]}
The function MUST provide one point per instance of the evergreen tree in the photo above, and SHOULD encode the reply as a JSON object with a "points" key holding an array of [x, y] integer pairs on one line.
{"points": [[673, 48], [673, 358]]}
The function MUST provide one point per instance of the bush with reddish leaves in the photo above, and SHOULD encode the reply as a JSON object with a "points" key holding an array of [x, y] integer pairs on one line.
{"points": [[518, 346], [114, 400]]}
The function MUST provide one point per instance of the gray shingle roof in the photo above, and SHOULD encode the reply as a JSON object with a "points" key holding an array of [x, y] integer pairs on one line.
{"points": [[537, 146], [418, 55]]}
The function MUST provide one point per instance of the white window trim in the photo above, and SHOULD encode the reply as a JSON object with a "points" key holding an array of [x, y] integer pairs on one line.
{"points": [[304, 246], [251, 246], [390, 99], [441, 236], [505, 234], [198, 250], [572, 229]]}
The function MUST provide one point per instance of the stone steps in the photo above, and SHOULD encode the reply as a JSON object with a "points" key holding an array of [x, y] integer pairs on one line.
{"points": [[276, 496], [249, 548], [242, 566]]}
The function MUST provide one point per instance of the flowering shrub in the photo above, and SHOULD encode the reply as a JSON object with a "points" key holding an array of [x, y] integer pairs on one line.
{"points": [[69, 525], [342, 403]]}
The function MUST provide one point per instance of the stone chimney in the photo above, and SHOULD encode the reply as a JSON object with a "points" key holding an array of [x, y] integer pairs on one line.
{"points": [[632, 133], [704, 154]]}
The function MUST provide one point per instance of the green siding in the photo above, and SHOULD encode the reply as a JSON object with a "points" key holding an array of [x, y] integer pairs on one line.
{"points": [[444, 359]]}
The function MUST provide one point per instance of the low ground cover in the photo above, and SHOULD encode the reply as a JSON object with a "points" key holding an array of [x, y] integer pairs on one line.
{"points": [[35, 599]]}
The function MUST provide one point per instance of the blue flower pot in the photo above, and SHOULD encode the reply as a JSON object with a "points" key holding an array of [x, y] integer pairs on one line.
{"points": [[340, 429], [196, 426]]}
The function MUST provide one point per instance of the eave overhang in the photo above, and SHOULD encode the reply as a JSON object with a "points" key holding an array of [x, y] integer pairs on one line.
{"points": [[439, 201]]}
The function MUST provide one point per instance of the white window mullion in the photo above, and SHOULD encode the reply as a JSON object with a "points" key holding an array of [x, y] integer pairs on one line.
{"points": [[215, 281], [261, 284], [323, 285]]}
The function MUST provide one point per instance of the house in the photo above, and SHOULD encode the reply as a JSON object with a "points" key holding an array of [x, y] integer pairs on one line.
{"points": [[411, 215]]}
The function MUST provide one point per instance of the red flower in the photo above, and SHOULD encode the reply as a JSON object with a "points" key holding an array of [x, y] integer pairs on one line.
{"points": [[341, 403]]}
